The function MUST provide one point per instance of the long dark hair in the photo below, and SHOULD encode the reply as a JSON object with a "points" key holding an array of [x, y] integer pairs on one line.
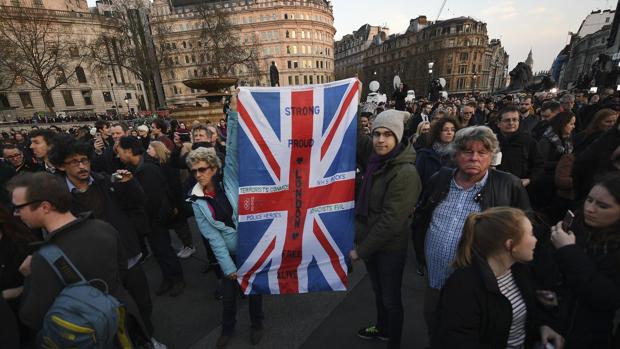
{"points": [[560, 121], [611, 182]]}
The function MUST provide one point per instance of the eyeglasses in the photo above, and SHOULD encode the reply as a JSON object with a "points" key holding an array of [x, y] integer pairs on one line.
{"points": [[76, 162], [17, 208], [199, 170]]}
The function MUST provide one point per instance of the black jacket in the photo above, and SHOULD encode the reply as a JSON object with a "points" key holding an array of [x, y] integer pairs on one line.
{"points": [[520, 156], [501, 189], [589, 291], [96, 251], [118, 200], [158, 206], [594, 161], [473, 313]]}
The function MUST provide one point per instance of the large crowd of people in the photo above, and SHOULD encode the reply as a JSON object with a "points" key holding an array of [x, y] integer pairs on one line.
{"points": [[512, 204]]}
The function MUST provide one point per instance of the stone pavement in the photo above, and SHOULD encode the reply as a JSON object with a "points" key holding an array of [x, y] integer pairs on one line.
{"points": [[319, 320]]}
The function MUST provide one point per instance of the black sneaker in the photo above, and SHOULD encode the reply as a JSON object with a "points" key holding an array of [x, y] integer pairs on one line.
{"points": [[371, 332]]}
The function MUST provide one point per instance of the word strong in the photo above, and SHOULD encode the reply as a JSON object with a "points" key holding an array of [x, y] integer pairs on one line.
{"points": [[302, 142]]}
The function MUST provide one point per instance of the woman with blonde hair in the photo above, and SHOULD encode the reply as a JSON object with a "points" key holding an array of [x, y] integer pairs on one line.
{"points": [[488, 302], [160, 154]]}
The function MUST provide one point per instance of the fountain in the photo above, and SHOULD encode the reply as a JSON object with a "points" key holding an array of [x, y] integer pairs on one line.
{"points": [[217, 89]]}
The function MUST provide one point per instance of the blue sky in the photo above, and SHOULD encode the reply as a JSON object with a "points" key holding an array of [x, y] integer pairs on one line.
{"points": [[542, 26]]}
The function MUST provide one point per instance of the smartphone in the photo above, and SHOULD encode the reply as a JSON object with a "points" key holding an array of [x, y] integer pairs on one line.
{"points": [[568, 220]]}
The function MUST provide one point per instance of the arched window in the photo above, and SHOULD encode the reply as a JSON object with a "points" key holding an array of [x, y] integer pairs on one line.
{"points": [[81, 76]]}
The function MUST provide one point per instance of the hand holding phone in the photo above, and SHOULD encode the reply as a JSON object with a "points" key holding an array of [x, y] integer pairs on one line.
{"points": [[568, 220]]}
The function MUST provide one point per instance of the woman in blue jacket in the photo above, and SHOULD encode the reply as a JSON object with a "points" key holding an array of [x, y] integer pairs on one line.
{"points": [[214, 201]]}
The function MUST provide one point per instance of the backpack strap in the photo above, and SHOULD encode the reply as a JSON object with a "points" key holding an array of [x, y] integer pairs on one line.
{"points": [[61, 264]]}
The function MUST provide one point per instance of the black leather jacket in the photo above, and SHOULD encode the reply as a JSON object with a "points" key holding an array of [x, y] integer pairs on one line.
{"points": [[501, 189]]}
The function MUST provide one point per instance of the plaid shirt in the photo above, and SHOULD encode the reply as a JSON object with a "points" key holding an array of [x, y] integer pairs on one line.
{"points": [[445, 229]]}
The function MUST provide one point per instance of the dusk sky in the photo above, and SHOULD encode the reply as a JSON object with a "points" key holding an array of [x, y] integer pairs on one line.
{"points": [[542, 26]]}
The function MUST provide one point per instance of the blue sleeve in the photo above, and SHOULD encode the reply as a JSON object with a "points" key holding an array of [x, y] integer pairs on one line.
{"points": [[216, 233], [231, 170]]}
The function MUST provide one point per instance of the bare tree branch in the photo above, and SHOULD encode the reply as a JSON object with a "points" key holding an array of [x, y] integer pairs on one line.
{"points": [[34, 49]]}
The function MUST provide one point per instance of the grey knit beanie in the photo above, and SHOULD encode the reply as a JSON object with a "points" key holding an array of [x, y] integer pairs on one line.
{"points": [[393, 120]]}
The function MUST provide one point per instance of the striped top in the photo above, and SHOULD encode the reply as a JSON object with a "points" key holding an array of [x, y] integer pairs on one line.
{"points": [[508, 287]]}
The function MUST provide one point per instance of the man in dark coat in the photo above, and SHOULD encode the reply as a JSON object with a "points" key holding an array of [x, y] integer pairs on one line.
{"points": [[274, 75], [158, 211], [110, 202], [42, 201], [520, 155], [399, 97], [449, 197]]}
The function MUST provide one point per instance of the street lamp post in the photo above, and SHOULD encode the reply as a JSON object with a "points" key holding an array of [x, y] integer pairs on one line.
{"points": [[127, 104], [113, 94], [473, 86], [430, 77]]}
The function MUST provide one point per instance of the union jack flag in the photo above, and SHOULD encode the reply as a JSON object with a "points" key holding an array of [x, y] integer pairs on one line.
{"points": [[296, 187]]}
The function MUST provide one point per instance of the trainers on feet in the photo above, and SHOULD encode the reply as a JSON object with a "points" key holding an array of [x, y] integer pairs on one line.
{"points": [[186, 252], [371, 332]]}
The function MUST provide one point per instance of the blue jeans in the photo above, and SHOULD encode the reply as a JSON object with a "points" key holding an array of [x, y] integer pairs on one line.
{"points": [[385, 270]]}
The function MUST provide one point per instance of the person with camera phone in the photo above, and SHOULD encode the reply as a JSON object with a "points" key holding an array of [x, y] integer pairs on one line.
{"points": [[588, 257]]}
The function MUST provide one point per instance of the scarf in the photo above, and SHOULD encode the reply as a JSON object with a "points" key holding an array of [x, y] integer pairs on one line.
{"points": [[440, 148], [563, 147], [375, 163]]}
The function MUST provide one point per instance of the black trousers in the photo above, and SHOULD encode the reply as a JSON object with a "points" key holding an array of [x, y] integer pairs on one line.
{"points": [[138, 287], [230, 290], [385, 270], [159, 240]]}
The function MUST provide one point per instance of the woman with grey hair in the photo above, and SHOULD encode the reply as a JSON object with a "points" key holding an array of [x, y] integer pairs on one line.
{"points": [[214, 201]]}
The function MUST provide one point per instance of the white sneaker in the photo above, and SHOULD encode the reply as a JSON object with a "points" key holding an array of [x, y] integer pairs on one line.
{"points": [[186, 252], [157, 345]]}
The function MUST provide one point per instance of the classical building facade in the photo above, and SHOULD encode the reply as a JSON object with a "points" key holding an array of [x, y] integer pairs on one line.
{"points": [[595, 37], [87, 89], [458, 49], [298, 35], [349, 51]]}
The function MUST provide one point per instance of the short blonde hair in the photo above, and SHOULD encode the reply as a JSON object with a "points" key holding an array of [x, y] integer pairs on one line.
{"points": [[207, 155]]}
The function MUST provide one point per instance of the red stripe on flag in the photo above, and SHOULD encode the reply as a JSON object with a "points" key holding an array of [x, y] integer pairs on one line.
{"points": [[259, 139], [333, 256], [246, 278], [333, 130]]}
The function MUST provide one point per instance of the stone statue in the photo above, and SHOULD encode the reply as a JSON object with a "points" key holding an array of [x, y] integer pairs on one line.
{"points": [[520, 77], [274, 74]]}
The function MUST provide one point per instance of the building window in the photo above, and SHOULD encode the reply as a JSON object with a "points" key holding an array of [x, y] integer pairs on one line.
{"points": [[107, 97], [81, 76], [296, 80], [460, 84], [464, 56], [86, 94], [176, 91], [26, 101], [305, 79], [74, 51], [128, 95], [449, 70], [462, 69], [289, 64], [66, 95], [4, 101], [290, 80]]}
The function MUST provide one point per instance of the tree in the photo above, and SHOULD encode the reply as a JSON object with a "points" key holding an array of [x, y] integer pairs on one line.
{"points": [[131, 46], [223, 52], [33, 49]]}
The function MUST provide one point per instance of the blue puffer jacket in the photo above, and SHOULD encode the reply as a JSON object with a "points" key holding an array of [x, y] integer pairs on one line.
{"points": [[222, 238]]}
